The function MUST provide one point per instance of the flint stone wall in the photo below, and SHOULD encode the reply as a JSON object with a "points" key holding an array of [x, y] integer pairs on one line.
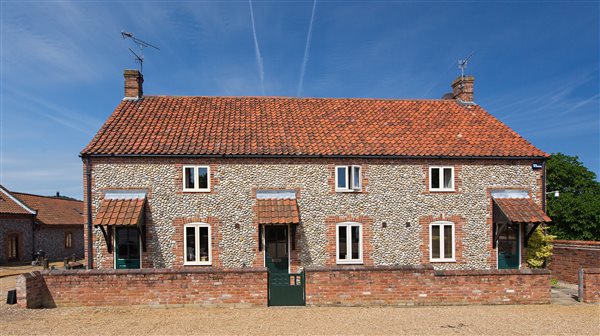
{"points": [[394, 192]]}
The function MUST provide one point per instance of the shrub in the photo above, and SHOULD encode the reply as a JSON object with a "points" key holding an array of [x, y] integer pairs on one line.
{"points": [[539, 248]]}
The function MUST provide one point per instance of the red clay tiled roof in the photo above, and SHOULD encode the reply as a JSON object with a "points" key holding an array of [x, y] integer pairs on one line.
{"points": [[9, 205], [522, 210], [120, 212], [53, 210], [277, 211], [305, 126]]}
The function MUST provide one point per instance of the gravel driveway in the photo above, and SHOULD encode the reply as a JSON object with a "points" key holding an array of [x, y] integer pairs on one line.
{"points": [[580, 319]]}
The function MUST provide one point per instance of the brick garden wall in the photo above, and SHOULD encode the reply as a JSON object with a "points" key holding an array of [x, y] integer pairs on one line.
{"points": [[591, 285], [421, 285], [345, 286], [571, 255], [204, 287]]}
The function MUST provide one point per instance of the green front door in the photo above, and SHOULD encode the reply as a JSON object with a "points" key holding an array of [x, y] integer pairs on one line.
{"points": [[127, 247], [285, 289], [508, 247]]}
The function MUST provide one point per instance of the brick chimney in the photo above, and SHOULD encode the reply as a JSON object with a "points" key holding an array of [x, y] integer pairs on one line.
{"points": [[133, 84], [462, 88]]}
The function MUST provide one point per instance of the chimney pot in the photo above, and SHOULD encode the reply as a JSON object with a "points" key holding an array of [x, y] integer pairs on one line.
{"points": [[133, 84], [462, 88]]}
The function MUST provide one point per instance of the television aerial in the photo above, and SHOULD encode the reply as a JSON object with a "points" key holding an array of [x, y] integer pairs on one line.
{"points": [[139, 56], [462, 64]]}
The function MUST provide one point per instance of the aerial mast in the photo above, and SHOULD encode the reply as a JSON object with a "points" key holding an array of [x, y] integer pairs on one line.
{"points": [[139, 56]]}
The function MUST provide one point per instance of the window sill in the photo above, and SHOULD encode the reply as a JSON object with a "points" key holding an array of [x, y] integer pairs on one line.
{"points": [[437, 261], [442, 190], [349, 262], [347, 191], [201, 263], [196, 190]]}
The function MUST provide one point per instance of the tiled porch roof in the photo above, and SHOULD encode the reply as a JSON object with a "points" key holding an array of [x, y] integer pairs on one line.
{"points": [[120, 212], [522, 210], [277, 211]]}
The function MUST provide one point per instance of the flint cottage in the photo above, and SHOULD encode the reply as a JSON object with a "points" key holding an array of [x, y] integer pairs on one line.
{"points": [[288, 183]]}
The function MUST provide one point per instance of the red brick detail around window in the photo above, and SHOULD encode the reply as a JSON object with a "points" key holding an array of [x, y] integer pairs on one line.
{"points": [[364, 171], [214, 181], [215, 239], [367, 235], [457, 178], [458, 221]]}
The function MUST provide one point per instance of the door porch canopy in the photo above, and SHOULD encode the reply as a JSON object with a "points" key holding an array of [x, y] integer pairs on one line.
{"points": [[516, 206], [121, 208], [277, 207]]}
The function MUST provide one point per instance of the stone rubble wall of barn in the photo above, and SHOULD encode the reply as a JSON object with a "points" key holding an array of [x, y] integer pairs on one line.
{"points": [[569, 256], [394, 192], [339, 286], [51, 239], [21, 226]]}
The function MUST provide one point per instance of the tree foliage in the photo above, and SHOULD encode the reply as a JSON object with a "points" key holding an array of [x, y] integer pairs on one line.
{"points": [[576, 212]]}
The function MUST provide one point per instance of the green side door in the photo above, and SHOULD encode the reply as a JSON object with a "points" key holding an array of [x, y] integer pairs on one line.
{"points": [[127, 247], [285, 289], [508, 247]]}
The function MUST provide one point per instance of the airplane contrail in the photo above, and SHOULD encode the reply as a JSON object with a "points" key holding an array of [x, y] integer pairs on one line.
{"points": [[259, 60], [306, 50]]}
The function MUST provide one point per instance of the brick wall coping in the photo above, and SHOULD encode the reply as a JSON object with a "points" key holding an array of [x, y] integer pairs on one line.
{"points": [[352, 268], [576, 243], [421, 268], [524, 271], [591, 270], [207, 270]]}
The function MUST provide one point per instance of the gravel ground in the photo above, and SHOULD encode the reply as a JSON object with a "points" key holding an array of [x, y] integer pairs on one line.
{"points": [[581, 319]]}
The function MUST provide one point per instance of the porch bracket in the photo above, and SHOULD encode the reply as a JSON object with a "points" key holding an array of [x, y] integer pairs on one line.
{"points": [[107, 238], [497, 234]]}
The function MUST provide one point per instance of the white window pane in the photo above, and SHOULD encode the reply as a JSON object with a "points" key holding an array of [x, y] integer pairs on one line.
{"points": [[203, 243], [190, 243], [342, 242], [189, 177], [448, 178], [448, 253], [342, 179], [355, 242], [435, 178], [202, 177], [356, 177], [435, 241]]}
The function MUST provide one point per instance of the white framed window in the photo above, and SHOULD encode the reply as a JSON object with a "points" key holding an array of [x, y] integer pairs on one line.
{"points": [[197, 244], [348, 178], [196, 178], [348, 247], [441, 178], [441, 242]]}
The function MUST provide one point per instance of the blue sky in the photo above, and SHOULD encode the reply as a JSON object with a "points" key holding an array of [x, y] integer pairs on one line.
{"points": [[536, 65]]}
